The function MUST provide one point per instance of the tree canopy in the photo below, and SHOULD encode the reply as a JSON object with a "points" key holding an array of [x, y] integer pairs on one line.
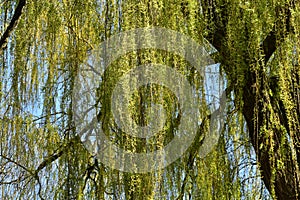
{"points": [[44, 45]]}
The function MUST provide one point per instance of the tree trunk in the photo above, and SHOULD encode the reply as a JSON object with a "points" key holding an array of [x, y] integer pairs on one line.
{"points": [[281, 182]]}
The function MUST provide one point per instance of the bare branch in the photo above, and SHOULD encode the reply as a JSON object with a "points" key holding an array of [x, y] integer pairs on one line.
{"points": [[59, 152], [16, 163]]}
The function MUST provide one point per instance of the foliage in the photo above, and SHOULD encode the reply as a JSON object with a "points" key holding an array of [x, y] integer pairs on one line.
{"points": [[257, 44]]}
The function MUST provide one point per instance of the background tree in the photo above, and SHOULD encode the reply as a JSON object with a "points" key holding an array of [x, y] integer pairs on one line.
{"points": [[44, 44]]}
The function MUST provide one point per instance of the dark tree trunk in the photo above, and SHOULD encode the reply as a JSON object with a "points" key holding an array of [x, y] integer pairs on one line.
{"points": [[284, 181]]}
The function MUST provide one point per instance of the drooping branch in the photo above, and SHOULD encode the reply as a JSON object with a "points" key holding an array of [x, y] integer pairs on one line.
{"points": [[217, 16], [279, 32], [13, 23], [284, 185]]}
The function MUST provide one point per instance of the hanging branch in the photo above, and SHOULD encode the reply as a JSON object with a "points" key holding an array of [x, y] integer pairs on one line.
{"points": [[13, 23], [273, 39]]}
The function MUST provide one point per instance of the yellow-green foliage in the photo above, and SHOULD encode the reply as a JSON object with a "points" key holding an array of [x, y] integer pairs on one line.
{"points": [[54, 38]]}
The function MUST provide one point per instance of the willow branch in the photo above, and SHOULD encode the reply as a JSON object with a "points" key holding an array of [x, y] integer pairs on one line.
{"points": [[54, 156], [13, 23], [283, 24], [15, 162]]}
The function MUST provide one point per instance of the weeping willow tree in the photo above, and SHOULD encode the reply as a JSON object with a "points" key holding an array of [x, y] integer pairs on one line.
{"points": [[45, 43]]}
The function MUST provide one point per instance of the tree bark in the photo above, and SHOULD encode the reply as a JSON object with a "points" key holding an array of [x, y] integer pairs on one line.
{"points": [[285, 182], [13, 23]]}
